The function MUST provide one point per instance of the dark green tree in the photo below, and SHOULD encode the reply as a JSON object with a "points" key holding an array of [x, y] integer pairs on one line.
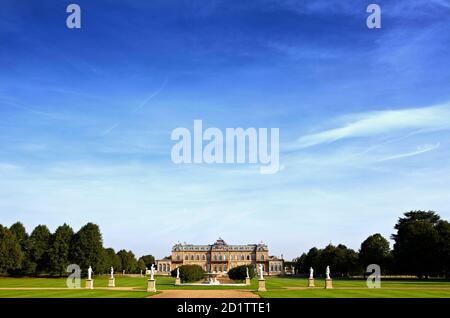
{"points": [[141, 265], [112, 259], [128, 261], [148, 260], [416, 248], [11, 255], [59, 252], [443, 229], [19, 231], [189, 273], [342, 260], [300, 264], [374, 250], [87, 248], [240, 272], [38, 244]]}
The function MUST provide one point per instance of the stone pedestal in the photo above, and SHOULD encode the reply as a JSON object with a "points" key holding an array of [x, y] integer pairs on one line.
{"points": [[328, 283], [178, 281], [151, 285], [112, 282], [311, 282], [89, 283], [247, 281], [262, 285]]}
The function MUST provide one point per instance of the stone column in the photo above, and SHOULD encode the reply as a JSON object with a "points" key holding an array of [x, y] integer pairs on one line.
{"points": [[89, 283], [262, 285], [151, 286]]}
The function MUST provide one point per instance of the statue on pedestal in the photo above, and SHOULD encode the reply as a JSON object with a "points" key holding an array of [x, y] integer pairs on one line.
{"points": [[327, 272], [261, 272], [178, 272], [112, 272], [90, 273], [248, 276], [311, 273], [152, 271]]}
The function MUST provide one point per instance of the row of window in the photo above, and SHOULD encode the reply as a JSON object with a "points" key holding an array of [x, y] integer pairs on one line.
{"points": [[220, 257], [275, 268], [220, 268]]}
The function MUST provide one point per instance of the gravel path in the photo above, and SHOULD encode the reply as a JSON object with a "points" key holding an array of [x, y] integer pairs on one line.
{"points": [[205, 294]]}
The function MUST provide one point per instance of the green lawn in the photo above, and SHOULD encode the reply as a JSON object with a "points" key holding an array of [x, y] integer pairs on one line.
{"points": [[277, 287], [279, 282], [72, 293], [356, 293]]}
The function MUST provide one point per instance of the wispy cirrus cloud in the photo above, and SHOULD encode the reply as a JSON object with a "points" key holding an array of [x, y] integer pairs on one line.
{"points": [[378, 123], [419, 150]]}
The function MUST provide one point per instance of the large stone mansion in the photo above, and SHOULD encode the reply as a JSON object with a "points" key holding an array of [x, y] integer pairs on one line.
{"points": [[220, 257]]}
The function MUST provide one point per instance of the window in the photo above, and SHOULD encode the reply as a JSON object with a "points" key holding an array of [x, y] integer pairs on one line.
{"points": [[198, 258], [224, 257], [186, 258], [192, 257], [220, 257], [248, 257], [160, 267], [178, 257], [220, 268], [262, 257], [203, 257], [242, 257]]}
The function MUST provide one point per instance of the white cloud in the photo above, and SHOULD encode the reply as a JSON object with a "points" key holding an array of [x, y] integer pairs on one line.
{"points": [[420, 150], [381, 122]]}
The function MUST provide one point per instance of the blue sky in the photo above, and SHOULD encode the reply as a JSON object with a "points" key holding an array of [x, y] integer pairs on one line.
{"points": [[86, 117]]}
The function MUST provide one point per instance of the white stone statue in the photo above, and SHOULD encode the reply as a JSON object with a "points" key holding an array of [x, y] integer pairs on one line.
{"points": [[248, 276], [141, 272], [178, 272], [261, 271], [112, 272], [327, 272], [311, 273], [152, 271], [90, 273]]}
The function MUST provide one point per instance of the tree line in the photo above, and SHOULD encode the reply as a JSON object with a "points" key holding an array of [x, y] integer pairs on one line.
{"points": [[421, 248], [46, 253]]}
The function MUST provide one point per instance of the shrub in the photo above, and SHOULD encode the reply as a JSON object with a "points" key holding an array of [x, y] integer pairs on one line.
{"points": [[240, 272], [189, 273]]}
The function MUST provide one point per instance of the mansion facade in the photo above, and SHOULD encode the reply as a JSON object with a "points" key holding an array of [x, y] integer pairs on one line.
{"points": [[220, 258]]}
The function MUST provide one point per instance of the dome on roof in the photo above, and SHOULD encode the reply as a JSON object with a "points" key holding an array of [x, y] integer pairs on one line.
{"points": [[220, 241]]}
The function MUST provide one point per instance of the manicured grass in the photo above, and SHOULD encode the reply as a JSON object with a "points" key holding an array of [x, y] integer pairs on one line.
{"points": [[99, 281], [277, 287], [356, 293], [73, 293], [283, 282]]}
